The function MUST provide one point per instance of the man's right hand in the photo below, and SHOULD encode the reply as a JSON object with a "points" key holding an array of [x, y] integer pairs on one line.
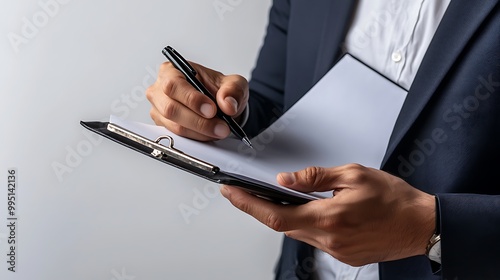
{"points": [[179, 107]]}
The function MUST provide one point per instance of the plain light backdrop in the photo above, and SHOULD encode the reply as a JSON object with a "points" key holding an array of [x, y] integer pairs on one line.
{"points": [[88, 208]]}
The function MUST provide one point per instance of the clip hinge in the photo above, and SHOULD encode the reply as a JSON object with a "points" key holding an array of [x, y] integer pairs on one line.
{"points": [[161, 151]]}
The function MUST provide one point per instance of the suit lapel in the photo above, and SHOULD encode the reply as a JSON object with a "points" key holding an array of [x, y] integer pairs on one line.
{"points": [[338, 16], [458, 25]]}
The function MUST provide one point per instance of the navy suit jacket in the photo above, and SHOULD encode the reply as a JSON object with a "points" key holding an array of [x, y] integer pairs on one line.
{"points": [[446, 140]]}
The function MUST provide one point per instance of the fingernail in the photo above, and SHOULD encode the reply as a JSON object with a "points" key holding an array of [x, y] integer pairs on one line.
{"points": [[221, 130], [233, 103], [207, 110], [287, 178]]}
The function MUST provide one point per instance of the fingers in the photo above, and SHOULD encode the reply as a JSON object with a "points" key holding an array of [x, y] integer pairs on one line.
{"points": [[310, 179], [177, 128], [309, 223], [178, 119], [231, 90], [177, 105], [172, 84], [277, 217], [232, 95], [322, 179], [372, 219]]}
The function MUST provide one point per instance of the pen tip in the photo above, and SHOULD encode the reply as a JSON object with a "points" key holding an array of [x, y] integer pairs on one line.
{"points": [[247, 142]]}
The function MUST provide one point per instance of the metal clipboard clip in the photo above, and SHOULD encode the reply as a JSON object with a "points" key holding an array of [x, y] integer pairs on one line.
{"points": [[161, 151]]}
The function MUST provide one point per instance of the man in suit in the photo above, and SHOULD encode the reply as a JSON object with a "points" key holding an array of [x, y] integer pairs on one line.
{"points": [[435, 197]]}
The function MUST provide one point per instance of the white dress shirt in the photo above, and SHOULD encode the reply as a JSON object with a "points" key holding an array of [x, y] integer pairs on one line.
{"points": [[391, 36]]}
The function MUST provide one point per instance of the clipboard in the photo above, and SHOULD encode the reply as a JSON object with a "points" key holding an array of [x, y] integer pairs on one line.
{"points": [[349, 91], [163, 150]]}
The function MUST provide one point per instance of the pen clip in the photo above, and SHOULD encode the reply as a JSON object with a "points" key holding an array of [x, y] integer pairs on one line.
{"points": [[178, 57], [160, 151]]}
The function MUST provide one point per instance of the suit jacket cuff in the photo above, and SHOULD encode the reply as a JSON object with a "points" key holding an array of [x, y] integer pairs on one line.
{"points": [[470, 230]]}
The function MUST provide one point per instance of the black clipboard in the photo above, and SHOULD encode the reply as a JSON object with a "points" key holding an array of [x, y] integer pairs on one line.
{"points": [[172, 156]]}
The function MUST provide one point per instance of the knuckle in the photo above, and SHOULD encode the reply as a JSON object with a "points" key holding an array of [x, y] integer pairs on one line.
{"points": [[150, 92], [275, 222], [312, 174], [176, 128], [332, 244], [239, 91], [152, 114], [238, 80], [168, 86], [200, 124], [241, 79], [170, 110], [192, 99], [165, 66], [232, 87], [355, 172], [327, 223], [240, 204], [355, 167]]}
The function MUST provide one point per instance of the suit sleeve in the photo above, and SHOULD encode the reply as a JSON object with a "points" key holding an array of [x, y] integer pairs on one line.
{"points": [[470, 236], [268, 77]]}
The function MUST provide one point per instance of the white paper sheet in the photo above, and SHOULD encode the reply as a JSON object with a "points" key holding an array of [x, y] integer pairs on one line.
{"points": [[347, 117]]}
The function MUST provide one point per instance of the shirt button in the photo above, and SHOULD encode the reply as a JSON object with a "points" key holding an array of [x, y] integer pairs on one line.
{"points": [[396, 56]]}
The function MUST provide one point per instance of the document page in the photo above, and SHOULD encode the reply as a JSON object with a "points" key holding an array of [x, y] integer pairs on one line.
{"points": [[347, 117]]}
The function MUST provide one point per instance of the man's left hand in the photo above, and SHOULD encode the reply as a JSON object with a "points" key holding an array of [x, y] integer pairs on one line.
{"points": [[371, 217]]}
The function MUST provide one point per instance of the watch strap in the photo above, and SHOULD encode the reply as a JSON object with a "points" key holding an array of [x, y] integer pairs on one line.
{"points": [[433, 249]]}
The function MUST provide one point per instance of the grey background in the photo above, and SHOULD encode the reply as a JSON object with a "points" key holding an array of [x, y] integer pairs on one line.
{"points": [[110, 213]]}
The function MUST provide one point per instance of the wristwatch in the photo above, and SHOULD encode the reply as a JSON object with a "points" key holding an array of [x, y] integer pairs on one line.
{"points": [[433, 250]]}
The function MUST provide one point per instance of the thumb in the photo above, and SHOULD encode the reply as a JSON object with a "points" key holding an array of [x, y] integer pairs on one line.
{"points": [[310, 179], [232, 96]]}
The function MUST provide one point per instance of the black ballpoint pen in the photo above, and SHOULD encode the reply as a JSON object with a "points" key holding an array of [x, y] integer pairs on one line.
{"points": [[188, 71]]}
